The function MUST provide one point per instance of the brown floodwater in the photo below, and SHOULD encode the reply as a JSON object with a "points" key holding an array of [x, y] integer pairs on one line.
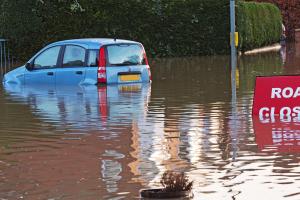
{"points": [[109, 142]]}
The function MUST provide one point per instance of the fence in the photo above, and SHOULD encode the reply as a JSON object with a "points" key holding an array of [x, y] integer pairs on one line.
{"points": [[6, 60]]}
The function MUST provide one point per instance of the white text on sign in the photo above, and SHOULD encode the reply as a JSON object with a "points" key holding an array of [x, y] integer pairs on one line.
{"points": [[286, 114], [286, 93]]}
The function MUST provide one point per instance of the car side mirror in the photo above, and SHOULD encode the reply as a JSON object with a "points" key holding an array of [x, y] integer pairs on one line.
{"points": [[29, 66]]}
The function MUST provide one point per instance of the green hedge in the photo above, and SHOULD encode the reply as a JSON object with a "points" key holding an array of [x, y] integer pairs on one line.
{"points": [[258, 24], [165, 27]]}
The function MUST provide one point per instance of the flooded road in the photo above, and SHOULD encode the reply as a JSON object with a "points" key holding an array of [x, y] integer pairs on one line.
{"points": [[109, 142]]}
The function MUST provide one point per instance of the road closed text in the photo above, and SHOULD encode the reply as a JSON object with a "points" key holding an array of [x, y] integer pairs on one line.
{"points": [[278, 93], [286, 93], [284, 111], [277, 96]]}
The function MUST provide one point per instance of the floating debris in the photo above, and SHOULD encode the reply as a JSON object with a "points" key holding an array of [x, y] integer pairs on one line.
{"points": [[175, 185]]}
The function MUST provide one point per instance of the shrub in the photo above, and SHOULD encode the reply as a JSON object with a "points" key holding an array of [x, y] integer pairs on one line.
{"points": [[166, 28], [175, 181], [258, 24], [290, 10]]}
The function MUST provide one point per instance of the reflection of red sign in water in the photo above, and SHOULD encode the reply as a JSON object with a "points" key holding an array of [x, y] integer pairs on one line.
{"points": [[277, 135], [277, 95]]}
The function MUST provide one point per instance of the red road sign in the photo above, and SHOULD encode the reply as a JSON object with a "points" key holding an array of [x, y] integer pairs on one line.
{"points": [[277, 95]]}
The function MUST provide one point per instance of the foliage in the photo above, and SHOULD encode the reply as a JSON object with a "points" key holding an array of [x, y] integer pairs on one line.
{"points": [[290, 10], [174, 182], [258, 24], [20, 26], [166, 28]]}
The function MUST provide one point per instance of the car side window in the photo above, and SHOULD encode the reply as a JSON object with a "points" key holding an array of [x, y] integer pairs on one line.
{"points": [[47, 59], [93, 58], [74, 56]]}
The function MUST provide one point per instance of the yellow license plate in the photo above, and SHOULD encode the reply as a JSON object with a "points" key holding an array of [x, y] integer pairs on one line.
{"points": [[130, 77]]}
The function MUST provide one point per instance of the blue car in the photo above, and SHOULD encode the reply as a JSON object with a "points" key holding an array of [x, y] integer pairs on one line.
{"points": [[85, 62]]}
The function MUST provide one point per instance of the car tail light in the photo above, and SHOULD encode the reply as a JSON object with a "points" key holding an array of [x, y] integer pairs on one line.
{"points": [[102, 66], [147, 63]]}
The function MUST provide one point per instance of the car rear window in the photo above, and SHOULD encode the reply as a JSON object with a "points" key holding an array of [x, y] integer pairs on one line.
{"points": [[125, 54]]}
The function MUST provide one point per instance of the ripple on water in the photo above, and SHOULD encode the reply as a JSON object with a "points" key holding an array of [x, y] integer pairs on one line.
{"points": [[78, 144]]}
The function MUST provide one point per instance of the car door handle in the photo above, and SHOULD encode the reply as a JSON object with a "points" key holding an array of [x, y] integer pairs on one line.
{"points": [[50, 73], [79, 72]]}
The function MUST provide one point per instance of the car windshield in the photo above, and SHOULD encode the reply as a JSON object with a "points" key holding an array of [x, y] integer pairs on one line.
{"points": [[125, 54]]}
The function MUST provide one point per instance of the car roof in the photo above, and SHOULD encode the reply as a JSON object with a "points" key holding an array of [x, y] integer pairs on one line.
{"points": [[93, 43]]}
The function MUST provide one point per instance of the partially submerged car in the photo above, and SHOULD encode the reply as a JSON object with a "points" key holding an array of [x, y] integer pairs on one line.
{"points": [[85, 61]]}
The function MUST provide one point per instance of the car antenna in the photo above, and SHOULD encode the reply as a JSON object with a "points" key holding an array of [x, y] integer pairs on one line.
{"points": [[115, 38]]}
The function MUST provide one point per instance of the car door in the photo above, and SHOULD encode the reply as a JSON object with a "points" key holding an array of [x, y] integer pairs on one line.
{"points": [[91, 77], [44, 67], [72, 69]]}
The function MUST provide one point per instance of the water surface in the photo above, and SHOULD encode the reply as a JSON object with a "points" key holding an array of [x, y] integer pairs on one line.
{"points": [[109, 142]]}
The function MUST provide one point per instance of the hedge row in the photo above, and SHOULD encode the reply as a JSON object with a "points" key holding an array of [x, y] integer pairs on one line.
{"points": [[290, 10], [165, 27], [258, 24]]}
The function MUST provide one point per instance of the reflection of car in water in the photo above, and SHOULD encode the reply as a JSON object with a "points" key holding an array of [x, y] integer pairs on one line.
{"points": [[84, 106]]}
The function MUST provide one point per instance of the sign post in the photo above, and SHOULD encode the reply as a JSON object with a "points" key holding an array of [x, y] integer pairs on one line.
{"points": [[232, 39], [232, 27], [233, 80]]}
